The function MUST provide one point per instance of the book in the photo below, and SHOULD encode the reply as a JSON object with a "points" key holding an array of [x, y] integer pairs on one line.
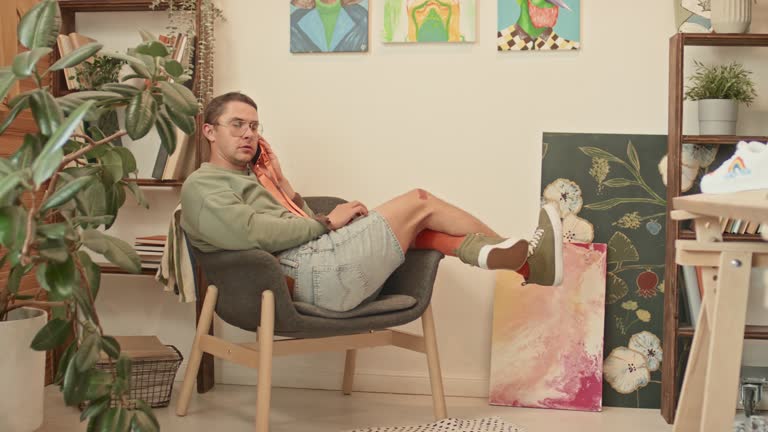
{"points": [[143, 348], [692, 293]]}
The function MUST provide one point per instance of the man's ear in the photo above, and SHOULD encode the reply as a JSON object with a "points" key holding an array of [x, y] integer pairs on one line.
{"points": [[208, 132]]}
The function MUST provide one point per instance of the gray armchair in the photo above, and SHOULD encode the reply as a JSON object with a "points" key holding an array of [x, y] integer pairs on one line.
{"points": [[247, 289]]}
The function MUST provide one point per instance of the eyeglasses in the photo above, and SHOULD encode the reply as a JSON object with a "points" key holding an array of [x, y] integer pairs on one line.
{"points": [[237, 128]]}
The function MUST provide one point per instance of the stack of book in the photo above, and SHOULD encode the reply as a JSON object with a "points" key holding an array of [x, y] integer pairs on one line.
{"points": [[736, 226], [150, 250], [67, 44], [179, 164]]}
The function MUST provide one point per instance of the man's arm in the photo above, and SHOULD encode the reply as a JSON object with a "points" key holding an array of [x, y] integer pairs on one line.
{"points": [[231, 224]]}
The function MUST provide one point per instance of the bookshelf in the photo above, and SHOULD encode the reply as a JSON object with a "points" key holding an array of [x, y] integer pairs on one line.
{"points": [[673, 368]]}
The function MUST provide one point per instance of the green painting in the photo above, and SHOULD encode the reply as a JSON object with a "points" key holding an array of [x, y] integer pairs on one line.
{"points": [[609, 190]]}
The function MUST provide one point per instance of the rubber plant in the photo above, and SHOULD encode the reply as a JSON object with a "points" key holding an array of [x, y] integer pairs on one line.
{"points": [[83, 182]]}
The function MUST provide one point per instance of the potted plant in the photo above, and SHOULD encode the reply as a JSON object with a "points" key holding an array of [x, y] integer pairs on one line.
{"points": [[56, 191], [719, 89]]}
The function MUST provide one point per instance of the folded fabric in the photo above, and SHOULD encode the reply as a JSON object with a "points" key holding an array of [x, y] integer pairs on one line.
{"points": [[176, 272]]}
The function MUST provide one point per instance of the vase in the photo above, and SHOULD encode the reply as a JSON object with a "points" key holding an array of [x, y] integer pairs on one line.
{"points": [[731, 16]]}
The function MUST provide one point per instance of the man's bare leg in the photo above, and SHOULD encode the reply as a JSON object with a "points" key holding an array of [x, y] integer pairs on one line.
{"points": [[417, 210]]}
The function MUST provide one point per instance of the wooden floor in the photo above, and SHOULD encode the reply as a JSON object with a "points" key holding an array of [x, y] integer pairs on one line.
{"points": [[231, 409]]}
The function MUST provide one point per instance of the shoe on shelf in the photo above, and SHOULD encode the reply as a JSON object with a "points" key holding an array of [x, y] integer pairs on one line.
{"points": [[746, 170]]}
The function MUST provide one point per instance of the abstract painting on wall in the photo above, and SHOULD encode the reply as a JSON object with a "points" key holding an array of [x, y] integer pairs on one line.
{"points": [[414, 21], [547, 345], [609, 189], [693, 16], [525, 25], [324, 26]]}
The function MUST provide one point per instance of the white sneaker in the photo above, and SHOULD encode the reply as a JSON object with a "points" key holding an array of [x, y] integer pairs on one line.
{"points": [[747, 169]]}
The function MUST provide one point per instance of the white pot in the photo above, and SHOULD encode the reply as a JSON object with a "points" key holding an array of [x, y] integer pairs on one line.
{"points": [[731, 16], [718, 116], [22, 371]]}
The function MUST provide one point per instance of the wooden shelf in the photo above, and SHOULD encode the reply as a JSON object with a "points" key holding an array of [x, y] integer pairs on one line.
{"points": [[112, 269], [108, 5], [156, 183], [724, 39], [720, 139], [690, 235], [750, 332]]}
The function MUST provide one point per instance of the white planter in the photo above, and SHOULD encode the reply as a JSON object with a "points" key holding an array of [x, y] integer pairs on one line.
{"points": [[718, 116], [22, 371], [731, 16]]}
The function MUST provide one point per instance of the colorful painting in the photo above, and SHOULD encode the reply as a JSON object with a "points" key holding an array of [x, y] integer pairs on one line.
{"points": [[417, 21], [526, 25], [548, 341], [693, 16], [325, 26], [609, 190]]}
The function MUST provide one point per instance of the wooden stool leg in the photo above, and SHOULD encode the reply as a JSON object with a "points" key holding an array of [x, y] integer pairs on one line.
{"points": [[433, 361], [349, 371], [196, 354], [688, 417], [730, 310], [266, 335]]}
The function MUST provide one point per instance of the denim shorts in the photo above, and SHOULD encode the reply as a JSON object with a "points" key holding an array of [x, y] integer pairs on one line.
{"points": [[343, 268]]}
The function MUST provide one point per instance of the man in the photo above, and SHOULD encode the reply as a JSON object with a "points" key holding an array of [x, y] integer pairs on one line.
{"points": [[241, 199]]}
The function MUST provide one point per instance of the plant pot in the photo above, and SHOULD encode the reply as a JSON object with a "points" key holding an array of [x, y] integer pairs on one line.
{"points": [[718, 116], [22, 371], [731, 16]]}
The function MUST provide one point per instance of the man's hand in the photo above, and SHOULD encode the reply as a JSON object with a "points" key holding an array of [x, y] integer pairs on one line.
{"points": [[345, 213], [270, 159]]}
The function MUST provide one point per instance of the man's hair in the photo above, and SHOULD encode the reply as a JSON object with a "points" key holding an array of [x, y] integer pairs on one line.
{"points": [[217, 105]]}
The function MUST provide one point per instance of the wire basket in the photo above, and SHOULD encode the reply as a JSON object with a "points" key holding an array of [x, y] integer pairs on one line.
{"points": [[151, 380]]}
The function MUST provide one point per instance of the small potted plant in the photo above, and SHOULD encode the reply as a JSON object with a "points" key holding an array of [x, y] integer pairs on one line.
{"points": [[719, 89]]}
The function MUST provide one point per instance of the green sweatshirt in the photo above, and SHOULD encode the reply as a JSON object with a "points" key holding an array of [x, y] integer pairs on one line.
{"points": [[224, 209]]}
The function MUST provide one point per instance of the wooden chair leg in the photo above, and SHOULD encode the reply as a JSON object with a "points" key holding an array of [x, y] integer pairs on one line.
{"points": [[196, 354], [349, 371], [266, 335], [433, 360]]}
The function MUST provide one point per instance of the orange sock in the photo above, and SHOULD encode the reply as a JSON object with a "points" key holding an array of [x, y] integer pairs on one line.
{"points": [[448, 244]]}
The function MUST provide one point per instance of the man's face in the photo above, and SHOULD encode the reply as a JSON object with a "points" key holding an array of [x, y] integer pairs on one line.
{"points": [[232, 138]]}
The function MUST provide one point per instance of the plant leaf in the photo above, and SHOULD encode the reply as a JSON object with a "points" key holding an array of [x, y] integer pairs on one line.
{"points": [[167, 133], [115, 419], [41, 278], [75, 384], [20, 106], [115, 250], [110, 346], [92, 272], [52, 149], [129, 161], [616, 290], [53, 334], [14, 278], [24, 155], [88, 353], [174, 68], [122, 89], [179, 98], [12, 229], [124, 367], [136, 64], [53, 231], [621, 249], [77, 56], [113, 165], [39, 27], [137, 193], [7, 80], [95, 407], [24, 63], [144, 423], [147, 36], [64, 362], [95, 220], [613, 202], [619, 182], [99, 385], [140, 114], [66, 193], [634, 159], [184, 122], [153, 48], [48, 115], [61, 278]]}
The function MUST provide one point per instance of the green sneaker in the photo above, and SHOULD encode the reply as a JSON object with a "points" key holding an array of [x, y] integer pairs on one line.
{"points": [[545, 257], [493, 253]]}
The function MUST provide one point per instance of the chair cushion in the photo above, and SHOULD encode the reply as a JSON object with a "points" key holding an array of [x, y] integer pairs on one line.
{"points": [[382, 304]]}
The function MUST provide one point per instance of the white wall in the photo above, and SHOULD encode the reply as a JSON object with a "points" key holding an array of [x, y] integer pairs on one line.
{"points": [[463, 121]]}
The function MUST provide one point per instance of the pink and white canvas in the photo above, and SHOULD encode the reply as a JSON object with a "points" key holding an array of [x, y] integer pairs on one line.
{"points": [[547, 345]]}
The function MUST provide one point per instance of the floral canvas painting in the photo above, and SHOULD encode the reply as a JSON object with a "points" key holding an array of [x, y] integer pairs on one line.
{"points": [[609, 189], [542, 25], [329, 26], [547, 345]]}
